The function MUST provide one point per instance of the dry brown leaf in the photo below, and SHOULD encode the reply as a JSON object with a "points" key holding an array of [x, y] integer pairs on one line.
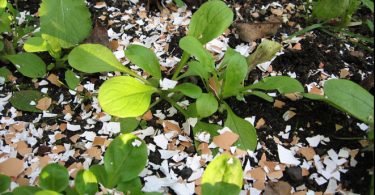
{"points": [[98, 35], [250, 32], [225, 140], [54, 79], [44, 103], [279, 188], [12, 167]]}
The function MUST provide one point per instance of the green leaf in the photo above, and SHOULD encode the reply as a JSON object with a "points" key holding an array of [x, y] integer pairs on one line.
{"points": [[264, 53], [131, 187], [329, 9], [283, 84], [210, 21], [5, 73], [94, 58], [206, 105], [72, 80], [47, 192], [262, 95], [124, 160], [196, 69], [1, 45], [22, 99], [369, 4], [3, 4], [26, 190], [5, 21], [192, 46], [125, 96], [189, 90], [179, 3], [66, 21], [223, 176], [4, 183], [86, 182], [235, 73], [54, 177], [349, 97], [28, 64], [100, 174], [128, 125], [70, 191], [145, 59], [246, 131], [35, 44]]}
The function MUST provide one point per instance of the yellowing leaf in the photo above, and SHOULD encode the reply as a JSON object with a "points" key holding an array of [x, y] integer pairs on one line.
{"points": [[223, 176], [125, 96]]}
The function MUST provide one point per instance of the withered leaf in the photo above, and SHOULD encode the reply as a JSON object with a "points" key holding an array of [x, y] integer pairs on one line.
{"points": [[250, 32]]}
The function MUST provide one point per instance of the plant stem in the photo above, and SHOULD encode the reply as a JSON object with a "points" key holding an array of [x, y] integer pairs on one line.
{"points": [[174, 104], [131, 73], [185, 57], [155, 103]]}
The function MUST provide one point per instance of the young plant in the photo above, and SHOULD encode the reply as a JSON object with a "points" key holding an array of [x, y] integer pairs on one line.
{"points": [[63, 25], [335, 16], [130, 95], [124, 159]]}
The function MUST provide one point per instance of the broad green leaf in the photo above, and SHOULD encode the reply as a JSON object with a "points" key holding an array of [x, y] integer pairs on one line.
{"points": [[66, 21], [196, 69], [71, 79], [28, 64], [351, 98], [3, 4], [47, 192], [22, 100], [125, 158], [35, 44], [1, 45], [70, 191], [192, 46], [5, 73], [100, 174], [329, 9], [369, 4], [190, 90], [94, 58], [125, 96], [210, 21], [264, 53], [86, 182], [179, 3], [26, 190], [133, 186], [235, 73], [5, 21], [283, 84], [262, 95], [246, 131], [54, 177], [223, 176], [145, 59], [128, 125], [4, 183], [206, 105]]}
